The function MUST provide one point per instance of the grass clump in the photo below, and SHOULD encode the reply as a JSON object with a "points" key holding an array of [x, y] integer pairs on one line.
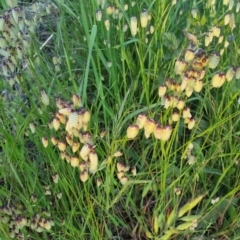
{"points": [[121, 120]]}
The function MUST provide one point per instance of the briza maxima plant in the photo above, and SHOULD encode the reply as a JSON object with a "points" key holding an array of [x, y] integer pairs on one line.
{"points": [[190, 74], [17, 26], [76, 144]]}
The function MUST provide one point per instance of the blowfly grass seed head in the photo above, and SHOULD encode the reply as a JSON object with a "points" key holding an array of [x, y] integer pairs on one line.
{"points": [[44, 98], [230, 73], [54, 141], [186, 113], [226, 19], [218, 79], [141, 120], [162, 90], [61, 146], [133, 26], [189, 55], [198, 86], [65, 110], [191, 123], [216, 31], [77, 102], [75, 147], [149, 127], [45, 141], [93, 162], [99, 15], [32, 127], [74, 161], [144, 19], [107, 24], [82, 166], [175, 116], [99, 182], [207, 40], [72, 121], [84, 176], [56, 123], [123, 180], [61, 117], [180, 67], [55, 177], [118, 154], [110, 9], [238, 7], [132, 131], [85, 150], [213, 60], [237, 76]]}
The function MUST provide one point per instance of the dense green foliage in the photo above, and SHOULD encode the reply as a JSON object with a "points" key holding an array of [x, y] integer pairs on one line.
{"points": [[180, 184]]}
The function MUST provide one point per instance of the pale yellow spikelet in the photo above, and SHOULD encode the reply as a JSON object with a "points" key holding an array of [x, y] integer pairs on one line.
{"points": [[77, 102], [133, 26], [189, 55], [82, 166], [230, 73], [56, 123], [175, 116], [54, 140], [186, 113], [120, 167], [144, 19], [61, 146], [75, 147], [162, 90], [198, 86], [85, 150], [74, 161], [84, 176], [99, 15], [191, 123], [93, 162], [149, 127], [72, 120], [180, 67], [61, 117], [45, 141], [120, 174], [141, 120], [65, 111], [44, 98], [132, 131], [180, 104], [69, 140], [123, 180], [218, 79]]}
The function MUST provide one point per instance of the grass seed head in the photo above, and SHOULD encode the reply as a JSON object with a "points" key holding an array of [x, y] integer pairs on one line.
{"points": [[74, 161], [61, 146], [44, 98], [84, 176], [99, 15], [133, 26], [218, 79], [132, 131], [144, 19], [141, 120], [55, 178], [45, 141], [149, 127]]}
